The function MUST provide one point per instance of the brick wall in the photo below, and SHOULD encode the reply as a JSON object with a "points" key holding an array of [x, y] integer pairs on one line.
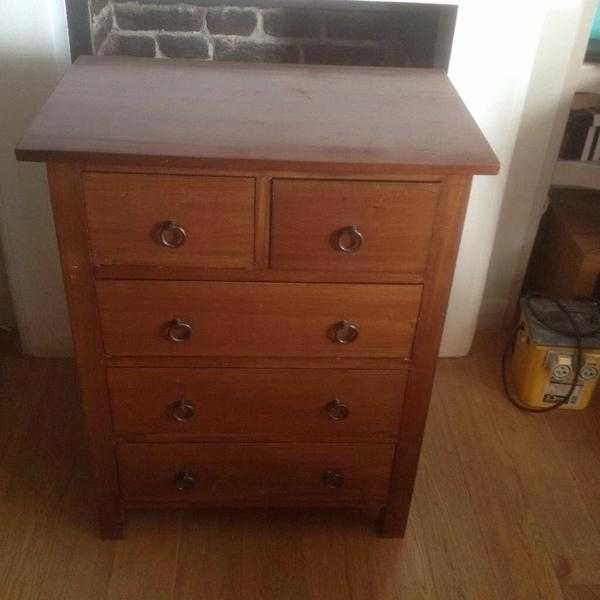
{"points": [[358, 33]]}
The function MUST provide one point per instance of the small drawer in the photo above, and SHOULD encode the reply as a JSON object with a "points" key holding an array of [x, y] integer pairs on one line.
{"points": [[179, 318], [358, 226], [170, 220], [256, 474], [258, 404]]}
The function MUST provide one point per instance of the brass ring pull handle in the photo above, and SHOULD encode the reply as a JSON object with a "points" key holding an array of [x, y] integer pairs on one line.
{"points": [[179, 331], [344, 332], [172, 235], [185, 481], [348, 239], [183, 411], [337, 411], [333, 479]]}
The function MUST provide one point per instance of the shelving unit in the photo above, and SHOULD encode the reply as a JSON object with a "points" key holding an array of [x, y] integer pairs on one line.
{"points": [[582, 173], [589, 78], [577, 173]]}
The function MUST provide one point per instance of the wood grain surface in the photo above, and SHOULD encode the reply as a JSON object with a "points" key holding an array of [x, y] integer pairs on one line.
{"points": [[269, 275], [256, 404], [125, 213], [330, 119], [256, 319], [395, 221], [256, 474], [444, 248], [69, 218], [565, 261]]}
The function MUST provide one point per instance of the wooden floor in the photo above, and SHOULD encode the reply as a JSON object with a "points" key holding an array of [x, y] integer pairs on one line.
{"points": [[507, 506]]}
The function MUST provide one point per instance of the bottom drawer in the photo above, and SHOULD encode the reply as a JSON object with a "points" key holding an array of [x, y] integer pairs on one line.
{"points": [[256, 474]]}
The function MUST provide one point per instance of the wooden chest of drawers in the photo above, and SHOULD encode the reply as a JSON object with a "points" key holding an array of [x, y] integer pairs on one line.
{"points": [[257, 261]]}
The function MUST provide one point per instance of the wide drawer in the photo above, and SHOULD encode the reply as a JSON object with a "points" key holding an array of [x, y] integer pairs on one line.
{"points": [[170, 220], [352, 225], [257, 319], [256, 404], [256, 474]]}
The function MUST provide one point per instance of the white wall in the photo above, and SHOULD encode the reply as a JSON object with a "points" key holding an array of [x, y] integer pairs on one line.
{"points": [[509, 61], [494, 49], [33, 56], [553, 82]]}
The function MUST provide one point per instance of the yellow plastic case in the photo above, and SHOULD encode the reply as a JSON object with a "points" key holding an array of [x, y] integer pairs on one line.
{"points": [[543, 373]]}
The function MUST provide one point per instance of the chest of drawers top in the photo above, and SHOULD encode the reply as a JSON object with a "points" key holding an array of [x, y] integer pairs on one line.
{"points": [[257, 260], [327, 119]]}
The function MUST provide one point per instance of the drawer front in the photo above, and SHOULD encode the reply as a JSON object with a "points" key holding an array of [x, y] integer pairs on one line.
{"points": [[352, 225], [259, 404], [251, 474], [170, 220], [257, 319]]}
